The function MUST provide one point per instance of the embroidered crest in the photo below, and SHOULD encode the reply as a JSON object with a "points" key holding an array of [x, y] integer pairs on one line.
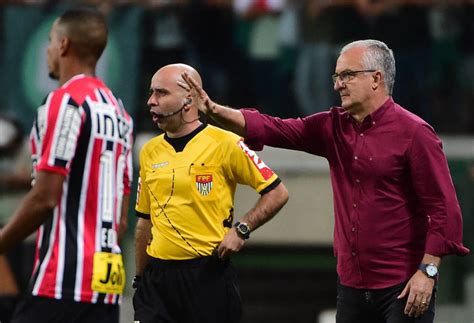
{"points": [[204, 184]]}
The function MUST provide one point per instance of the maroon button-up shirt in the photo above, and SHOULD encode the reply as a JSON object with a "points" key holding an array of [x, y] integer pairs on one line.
{"points": [[394, 199]]}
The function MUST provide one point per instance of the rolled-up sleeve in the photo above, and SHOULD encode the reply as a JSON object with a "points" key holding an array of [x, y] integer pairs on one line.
{"points": [[254, 132], [435, 191]]}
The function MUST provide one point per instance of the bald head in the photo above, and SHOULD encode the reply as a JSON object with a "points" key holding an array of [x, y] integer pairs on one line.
{"points": [[176, 70], [87, 30]]}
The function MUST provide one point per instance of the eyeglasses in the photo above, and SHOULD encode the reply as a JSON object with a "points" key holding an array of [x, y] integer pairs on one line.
{"points": [[346, 76]]}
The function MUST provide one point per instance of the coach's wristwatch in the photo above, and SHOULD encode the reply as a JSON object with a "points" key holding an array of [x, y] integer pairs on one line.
{"points": [[242, 229], [430, 270]]}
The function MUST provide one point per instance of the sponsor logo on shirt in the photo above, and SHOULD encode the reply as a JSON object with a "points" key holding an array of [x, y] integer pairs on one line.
{"points": [[69, 125], [204, 184], [159, 165]]}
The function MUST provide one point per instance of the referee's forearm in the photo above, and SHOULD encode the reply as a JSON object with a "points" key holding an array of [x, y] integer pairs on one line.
{"points": [[142, 238], [267, 206]]}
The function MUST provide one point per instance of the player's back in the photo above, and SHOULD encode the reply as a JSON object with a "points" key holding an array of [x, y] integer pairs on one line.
{"points": [[83, 132]]}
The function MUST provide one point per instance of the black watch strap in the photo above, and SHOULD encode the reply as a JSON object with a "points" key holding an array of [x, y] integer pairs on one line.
{"points": [[243, 229], [430, 270]]}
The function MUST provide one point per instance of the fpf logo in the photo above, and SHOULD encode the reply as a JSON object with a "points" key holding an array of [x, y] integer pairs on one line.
{"points": [[204, 184]]}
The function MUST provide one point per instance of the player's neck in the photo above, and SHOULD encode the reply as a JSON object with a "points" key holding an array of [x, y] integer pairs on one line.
{"points": [[74, 68]]}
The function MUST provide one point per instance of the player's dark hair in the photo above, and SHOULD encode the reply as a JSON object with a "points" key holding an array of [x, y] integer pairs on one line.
{"points": [[87, 29]]}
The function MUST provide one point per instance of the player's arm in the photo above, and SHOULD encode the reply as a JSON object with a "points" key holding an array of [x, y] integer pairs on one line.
{"points": [[33, 211], [227, 118], [142, 238], [8, 285], [266, 207]]}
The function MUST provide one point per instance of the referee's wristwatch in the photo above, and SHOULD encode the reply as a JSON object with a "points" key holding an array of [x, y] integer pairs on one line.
{"points": [[243, 229], [430, 270]]}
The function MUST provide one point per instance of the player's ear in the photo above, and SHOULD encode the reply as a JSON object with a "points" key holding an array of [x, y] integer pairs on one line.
{"points": [[65, 45]]}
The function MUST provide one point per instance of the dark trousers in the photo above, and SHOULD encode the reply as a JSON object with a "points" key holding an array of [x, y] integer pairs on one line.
{"points": [[377, 306], [7, 305], [202, 290], [47, 310]]}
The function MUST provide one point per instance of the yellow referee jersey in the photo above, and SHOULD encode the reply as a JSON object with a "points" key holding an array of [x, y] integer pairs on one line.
{"points": [[189, 195]]}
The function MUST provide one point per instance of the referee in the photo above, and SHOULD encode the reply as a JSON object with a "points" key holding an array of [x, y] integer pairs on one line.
{"points": [[185, 233]]}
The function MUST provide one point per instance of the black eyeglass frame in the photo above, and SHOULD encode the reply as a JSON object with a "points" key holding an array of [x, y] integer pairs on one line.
{"points": [[348, 74]]}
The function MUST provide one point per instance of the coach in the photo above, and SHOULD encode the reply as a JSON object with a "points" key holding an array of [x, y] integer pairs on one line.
{"points": [[396, 211]]}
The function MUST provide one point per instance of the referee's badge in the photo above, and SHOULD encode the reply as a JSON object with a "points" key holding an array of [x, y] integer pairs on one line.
{"points": [[204, 184]]}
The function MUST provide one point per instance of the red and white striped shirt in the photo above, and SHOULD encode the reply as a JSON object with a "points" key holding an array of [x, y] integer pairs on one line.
{"points": [[83, 132]]}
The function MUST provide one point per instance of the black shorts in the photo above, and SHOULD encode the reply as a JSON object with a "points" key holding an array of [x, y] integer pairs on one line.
{"points": [[48, 310], [7, 306], [203, 290]]}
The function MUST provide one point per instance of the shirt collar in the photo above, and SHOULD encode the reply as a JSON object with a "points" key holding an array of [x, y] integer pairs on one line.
{"points": [[373, 118], [377, 115]]}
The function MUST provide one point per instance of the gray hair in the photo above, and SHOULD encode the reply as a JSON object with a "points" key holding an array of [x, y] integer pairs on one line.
{"points": [[377, 56]]}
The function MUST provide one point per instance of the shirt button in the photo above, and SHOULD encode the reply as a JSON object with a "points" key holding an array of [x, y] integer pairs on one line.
{"points": [[354, 205], [355, 157], [357, 180], [353, 253], [353, 229], [362, 135]]}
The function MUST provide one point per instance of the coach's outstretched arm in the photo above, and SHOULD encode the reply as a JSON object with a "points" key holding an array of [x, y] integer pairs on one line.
{"points": [[228, 118]]}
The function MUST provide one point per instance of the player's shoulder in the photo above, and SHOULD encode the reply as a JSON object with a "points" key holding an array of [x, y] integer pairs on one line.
{"points": [[81, 87], [71, 90], [58, 98]]}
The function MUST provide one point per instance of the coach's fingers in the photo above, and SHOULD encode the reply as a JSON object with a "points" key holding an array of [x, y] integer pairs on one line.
{"points": [[204, 103], [191, 82], [404, 292], [184, 85]]}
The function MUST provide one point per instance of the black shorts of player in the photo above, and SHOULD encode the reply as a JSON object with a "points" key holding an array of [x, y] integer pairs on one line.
{"points": [[203, 290], [48, 310], [7, 306]]}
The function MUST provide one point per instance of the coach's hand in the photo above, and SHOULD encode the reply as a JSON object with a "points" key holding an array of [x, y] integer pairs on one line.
{"points": [[419, 290], [200, 97], [231, 244]]}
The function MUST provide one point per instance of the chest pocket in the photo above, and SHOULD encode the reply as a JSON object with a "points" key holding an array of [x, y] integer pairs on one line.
{"points": [[205, 182], [167, 185], [386, 169]]}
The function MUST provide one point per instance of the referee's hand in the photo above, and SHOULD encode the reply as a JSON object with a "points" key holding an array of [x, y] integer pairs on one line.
{"points": [[136, 281], [232, 243]]}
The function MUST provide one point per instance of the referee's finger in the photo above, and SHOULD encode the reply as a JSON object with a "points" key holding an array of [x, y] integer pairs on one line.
{"points": [[222, 252]]}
